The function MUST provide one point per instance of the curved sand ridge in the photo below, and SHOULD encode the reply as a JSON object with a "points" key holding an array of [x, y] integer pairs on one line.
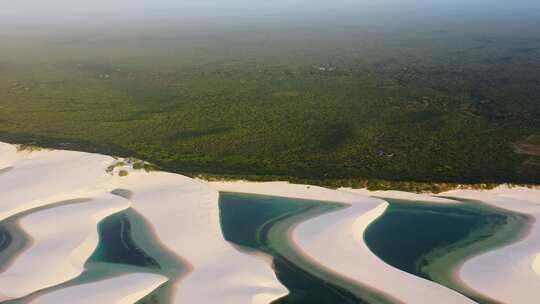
{"points": [[335, 241], [183, 212], [44, 177], [510, 274], [63, 238], [185, 216], [125, 289]]}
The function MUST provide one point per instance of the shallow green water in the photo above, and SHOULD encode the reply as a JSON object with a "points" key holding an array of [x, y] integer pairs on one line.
{"points": [[406, 232], [126, 245], [423, 239], [127, 240], [430, 240], [246, 220], [12, 241], [5, 238]]}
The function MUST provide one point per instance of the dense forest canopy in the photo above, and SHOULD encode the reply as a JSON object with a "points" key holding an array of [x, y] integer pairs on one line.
{"points": [[440, 98]]}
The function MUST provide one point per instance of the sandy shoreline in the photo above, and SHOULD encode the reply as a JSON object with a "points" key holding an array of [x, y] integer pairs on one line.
{"points": [[192, 207], [125, 289], [481, 275], [318, 238], [359, 289], [169, 202], [57, 261], [507, 274]]}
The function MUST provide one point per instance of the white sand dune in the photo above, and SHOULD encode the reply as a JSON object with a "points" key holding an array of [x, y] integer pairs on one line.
{"points": [[62, 240], [335, 241], [510, 274], [185, 216], [8, 154], [184, 213], [402, 195], [44, 177], [125, 289]]}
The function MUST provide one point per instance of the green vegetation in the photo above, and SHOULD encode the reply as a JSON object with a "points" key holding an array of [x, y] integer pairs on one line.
{"points": [[134, 163], [338, 107], [28, 148], [110, 169]]}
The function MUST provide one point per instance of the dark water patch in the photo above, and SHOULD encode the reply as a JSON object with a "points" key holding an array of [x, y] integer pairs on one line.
{"points": [[13, 241], [405, 232], [127, 244], [247, 220], [253, 212], [431, 241], [128, 240], [306, 288], [5, 238], [117, 246]]}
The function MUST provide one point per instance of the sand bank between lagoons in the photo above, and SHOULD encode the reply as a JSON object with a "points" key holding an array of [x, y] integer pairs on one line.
{"points": [[509, 274], [183, 213], [125, 289], [58, 198], [335, 241], [185, 216], [62, 240]]}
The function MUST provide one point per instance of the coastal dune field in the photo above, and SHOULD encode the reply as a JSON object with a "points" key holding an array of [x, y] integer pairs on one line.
{"points": [[64, 195], [270, 152], [509, 274], [58, 251], [58, 199]]}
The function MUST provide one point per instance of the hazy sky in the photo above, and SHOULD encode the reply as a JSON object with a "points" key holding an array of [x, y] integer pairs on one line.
{"points": [[55, 7], [25, 22], [38, 13]]}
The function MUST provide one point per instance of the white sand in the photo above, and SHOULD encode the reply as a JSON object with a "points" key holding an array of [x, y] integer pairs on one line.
{"points": [[8, 154], [185, 216], [184, 213], [125, 289], [63, 239], [402, 195], [45, 177], [510, 274], [335, 240]]}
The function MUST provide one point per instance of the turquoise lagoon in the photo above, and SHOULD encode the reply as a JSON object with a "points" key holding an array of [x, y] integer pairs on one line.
{"points": [[423, 239]]}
